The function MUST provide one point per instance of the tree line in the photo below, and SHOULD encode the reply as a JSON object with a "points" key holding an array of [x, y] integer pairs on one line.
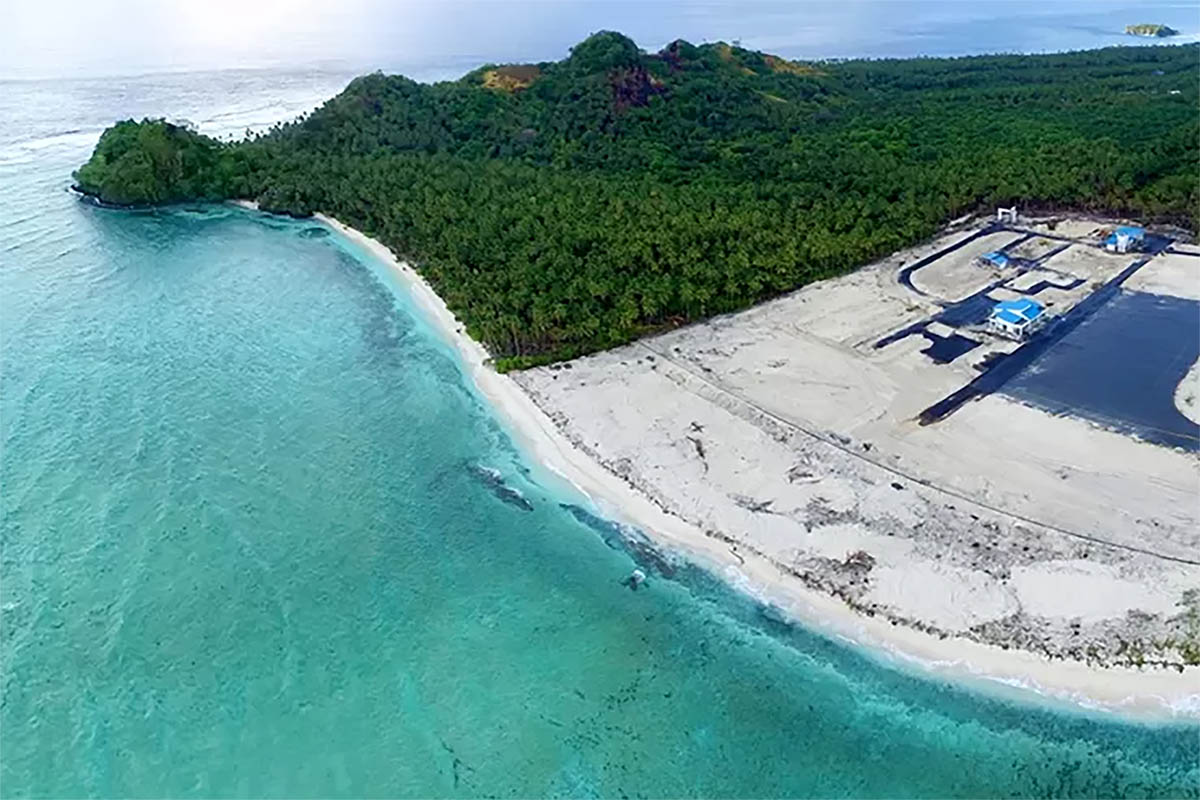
{"points": [[618, 192]]}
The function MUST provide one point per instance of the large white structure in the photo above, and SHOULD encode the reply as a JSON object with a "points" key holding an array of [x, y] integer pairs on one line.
{"points": [[1007, 215]]}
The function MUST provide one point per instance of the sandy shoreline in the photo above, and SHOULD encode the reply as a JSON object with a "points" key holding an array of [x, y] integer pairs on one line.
{"points": [[1152, 693]]}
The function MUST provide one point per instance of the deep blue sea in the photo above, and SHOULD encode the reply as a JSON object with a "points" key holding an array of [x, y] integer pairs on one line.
{"points": [[246, 549]]}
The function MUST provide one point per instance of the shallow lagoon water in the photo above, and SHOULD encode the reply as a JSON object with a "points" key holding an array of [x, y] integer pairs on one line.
{"points": [[244, 554]]}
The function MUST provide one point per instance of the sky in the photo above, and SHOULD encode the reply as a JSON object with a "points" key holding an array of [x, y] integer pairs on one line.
{"points": [[432, 39]]}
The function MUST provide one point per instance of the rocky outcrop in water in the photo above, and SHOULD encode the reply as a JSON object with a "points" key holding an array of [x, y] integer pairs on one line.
{"points": [[1151, 30], [494, 481]]}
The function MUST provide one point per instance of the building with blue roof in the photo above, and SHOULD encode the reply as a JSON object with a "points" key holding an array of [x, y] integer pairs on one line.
{"points": [[1017, 319], [995, 259], [1125, 239]]}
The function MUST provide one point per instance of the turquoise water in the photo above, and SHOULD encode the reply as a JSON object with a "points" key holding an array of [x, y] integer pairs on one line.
{"points": [[245, 553]]}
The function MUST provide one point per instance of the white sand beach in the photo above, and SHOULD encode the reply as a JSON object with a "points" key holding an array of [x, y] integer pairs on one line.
{"points": [[608, 397]]}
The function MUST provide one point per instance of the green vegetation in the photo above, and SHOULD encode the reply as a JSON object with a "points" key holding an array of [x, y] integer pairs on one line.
{"points": [[1151, 30], [157, 162], [565, 207]]}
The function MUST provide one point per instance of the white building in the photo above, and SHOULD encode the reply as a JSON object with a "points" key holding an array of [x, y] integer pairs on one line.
{"points": [[1017, 319], [1124, 240]]}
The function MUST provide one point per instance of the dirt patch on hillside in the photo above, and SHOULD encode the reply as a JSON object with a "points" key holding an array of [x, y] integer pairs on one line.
{"points": [[511, 78]]}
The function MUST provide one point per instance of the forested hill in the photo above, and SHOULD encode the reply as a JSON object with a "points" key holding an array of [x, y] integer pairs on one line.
{"points": [[570, 206]]}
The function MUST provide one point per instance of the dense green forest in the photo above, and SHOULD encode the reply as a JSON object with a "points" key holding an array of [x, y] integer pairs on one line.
{"points": [[565, 207], [155, 162]]}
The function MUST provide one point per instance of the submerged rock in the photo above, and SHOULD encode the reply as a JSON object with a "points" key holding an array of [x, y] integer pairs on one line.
{"points": [[494, 481]]}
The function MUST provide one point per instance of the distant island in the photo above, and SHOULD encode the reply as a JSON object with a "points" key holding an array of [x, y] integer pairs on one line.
{"points": [[565, 207], [1150, 30]]}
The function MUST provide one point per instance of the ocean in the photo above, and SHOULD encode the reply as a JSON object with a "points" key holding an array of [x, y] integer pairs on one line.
{"points": [[260, 537], [445, 39]]}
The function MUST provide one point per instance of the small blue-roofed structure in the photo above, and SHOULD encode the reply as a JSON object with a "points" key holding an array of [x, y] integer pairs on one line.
{"points": [[1016, 318], [995, 259], [1125, 239]]}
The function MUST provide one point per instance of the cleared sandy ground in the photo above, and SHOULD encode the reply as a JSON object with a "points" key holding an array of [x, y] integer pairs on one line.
{"points": [[1035, 276], [957, 275], [783, 432], [1089, 263], [841, 531], [1035, 248], [1072, 228], [1171, 274]]}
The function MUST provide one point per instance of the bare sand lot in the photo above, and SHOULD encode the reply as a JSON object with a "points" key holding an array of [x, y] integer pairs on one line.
{"points": [[1169, 274], [1070, 228], [784, 433], [1036, 277], [957, 275], [1035, 248], [1089, 263]]}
